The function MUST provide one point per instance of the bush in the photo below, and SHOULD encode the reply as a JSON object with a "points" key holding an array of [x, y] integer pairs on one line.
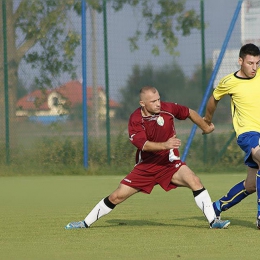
{"points": [[220, 152], [64, 156], [54, 150]]}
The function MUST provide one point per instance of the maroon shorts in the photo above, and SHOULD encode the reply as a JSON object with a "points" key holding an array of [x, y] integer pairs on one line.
{"points": [[145, 180]]}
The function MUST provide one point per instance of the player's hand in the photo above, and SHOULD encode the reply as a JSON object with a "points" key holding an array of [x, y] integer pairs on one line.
{"points": [[206, 120], [209, 129], [173, 143]]}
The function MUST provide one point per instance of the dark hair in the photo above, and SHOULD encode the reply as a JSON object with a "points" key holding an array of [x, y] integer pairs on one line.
{"points": [[249, 49]]}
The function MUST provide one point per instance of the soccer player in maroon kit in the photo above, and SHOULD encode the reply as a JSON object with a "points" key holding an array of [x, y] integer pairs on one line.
{"points": [[151, 129]]}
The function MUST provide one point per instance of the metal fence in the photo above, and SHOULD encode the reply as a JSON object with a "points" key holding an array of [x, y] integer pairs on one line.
{"points": [[41, 75]]}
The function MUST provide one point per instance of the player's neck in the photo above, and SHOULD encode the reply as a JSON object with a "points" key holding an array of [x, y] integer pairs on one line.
{"points": [[146, 113], [242, 75]]}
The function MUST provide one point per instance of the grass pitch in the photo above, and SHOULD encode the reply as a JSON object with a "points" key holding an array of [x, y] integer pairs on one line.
{"points": [[162, 225]]}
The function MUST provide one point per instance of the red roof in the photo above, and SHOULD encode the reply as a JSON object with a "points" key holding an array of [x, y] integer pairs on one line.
{"points": [[71, 90]]}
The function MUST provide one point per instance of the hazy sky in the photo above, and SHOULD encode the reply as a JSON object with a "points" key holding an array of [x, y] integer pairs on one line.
{"points": [[121, 25]]}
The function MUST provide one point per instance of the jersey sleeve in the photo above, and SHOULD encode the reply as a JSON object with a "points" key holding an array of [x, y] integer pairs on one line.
{"points": [[136, 131], [222, 88], [179, 111]]}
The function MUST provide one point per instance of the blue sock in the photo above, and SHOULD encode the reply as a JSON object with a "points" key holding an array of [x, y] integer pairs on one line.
{"points": [[258, 192], [234, 196]]}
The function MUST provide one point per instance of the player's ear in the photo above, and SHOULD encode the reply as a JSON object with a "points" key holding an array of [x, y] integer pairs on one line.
{"points": [[141, 103], [240, 61]]}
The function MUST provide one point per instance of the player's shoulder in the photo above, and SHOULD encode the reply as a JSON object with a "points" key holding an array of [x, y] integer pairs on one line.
{"points": [[136, 115], [167, 106], [175, 109], [170, 105], [228, 79]]}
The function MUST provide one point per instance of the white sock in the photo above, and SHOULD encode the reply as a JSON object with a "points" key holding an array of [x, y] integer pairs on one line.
{"points": [[204, 202], [100, 210]]}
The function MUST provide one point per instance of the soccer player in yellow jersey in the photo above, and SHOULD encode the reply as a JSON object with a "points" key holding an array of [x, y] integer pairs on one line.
{"points": [[243, 87]]}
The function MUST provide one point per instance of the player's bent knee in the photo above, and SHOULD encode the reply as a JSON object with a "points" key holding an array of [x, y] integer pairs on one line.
{"points": [[256, 155], [194, 182], [197, 182], [115, 199], [250, 188], [118, 196]]}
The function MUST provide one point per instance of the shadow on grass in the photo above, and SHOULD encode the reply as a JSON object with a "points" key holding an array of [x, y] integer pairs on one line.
{"points": [[234, 222], [243, 223], [126, 222], [138, 222]]}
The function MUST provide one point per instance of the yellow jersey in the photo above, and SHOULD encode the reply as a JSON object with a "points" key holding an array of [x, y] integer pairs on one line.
{"points": [[245, 101]]}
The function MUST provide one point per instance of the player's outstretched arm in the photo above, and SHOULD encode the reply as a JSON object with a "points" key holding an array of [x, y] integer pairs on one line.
{"points": [[171, 143], [202, 124], [210, 109]]}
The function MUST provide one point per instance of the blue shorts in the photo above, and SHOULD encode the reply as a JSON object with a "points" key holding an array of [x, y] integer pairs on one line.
{"points": [[247, 141]]}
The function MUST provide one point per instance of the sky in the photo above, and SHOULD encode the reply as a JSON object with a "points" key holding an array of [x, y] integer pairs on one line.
{"points": [[121, 25]]}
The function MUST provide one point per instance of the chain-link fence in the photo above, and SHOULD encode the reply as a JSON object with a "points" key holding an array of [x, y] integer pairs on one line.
{"points": [[41, 74]]}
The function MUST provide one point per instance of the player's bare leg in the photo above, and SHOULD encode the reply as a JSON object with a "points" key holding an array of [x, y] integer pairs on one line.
{"points": [[185, 177], [105, 206], [256, 158]]}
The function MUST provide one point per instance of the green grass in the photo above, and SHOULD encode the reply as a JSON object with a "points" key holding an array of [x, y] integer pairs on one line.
{"points": [[34, 211]]}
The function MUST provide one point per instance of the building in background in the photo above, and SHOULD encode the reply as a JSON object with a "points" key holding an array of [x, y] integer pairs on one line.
{"points": [[250, 21], [250, 33], [52, 105]]}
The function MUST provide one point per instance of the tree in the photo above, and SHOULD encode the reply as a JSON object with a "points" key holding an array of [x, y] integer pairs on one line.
{"points": [[21, 90], [195, 86], [42, 24], [195, 89], [163, 19], [35, 23], [169, 80]]}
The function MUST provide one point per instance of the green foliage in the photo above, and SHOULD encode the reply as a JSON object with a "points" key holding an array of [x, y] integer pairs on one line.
{"points": [[2, 154], [163, 21], [173, 86], [64, 156], [233, 155], [76, 113], [41, 23], [21, 90], [123, 151], [135, 82], [54, 150], [216, 154], [195, 85], [170, 81], [57, 45]]}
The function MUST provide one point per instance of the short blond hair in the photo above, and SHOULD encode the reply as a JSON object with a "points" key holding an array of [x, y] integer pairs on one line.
{"points": [[145, 89]]}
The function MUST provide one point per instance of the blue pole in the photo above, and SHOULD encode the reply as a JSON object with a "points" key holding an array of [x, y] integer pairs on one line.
{"points": [[84, 83], [213, 76]]}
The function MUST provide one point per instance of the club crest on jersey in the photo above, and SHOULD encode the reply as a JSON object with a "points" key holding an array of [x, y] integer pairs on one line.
{"points": [[160, 121]]}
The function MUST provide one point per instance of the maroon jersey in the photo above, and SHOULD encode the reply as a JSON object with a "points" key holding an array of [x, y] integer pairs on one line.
{"points": [[155, 128]]}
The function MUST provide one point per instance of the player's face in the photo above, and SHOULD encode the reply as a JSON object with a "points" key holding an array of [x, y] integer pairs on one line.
{"points": [[249, 65], [151, 103]]}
